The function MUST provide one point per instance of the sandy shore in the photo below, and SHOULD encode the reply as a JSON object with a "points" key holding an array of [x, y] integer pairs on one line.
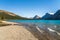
{"points": [[16, 31]]}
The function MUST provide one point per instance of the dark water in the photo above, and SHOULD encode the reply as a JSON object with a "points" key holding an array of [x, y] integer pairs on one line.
{"points": [[53, 24]]}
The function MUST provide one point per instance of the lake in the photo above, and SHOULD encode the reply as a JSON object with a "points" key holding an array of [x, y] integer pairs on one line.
{"points": [[53, 24]]}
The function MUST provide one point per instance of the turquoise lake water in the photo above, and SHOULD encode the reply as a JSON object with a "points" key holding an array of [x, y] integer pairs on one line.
{"points": [[53, 24], [56, 22]]}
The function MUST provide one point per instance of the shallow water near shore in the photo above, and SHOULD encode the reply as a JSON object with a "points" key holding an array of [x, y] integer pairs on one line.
{"points": [[44, 24]]}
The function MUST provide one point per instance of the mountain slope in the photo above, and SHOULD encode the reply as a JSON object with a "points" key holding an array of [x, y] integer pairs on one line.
{"points": [[56, 16], [4, 15], [47, 16]]}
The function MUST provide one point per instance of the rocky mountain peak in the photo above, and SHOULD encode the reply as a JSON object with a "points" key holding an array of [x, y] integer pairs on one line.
{"points": [[36, 17]]}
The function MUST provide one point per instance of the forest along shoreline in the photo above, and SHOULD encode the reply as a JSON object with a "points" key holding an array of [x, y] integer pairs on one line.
{"points": [[36, 32]]}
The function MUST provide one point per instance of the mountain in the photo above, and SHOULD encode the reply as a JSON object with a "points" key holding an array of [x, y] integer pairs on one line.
{"points": [[47, 16], [56, 16], [5, 15], [36, 17]]}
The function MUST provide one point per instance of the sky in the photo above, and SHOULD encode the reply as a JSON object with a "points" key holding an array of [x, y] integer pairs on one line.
{"points": [[30, 8]]}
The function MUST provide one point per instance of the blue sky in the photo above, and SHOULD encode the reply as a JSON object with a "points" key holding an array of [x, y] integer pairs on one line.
{"points": [[30, 8]]}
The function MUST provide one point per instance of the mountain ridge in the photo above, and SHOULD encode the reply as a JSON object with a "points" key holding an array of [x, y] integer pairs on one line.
{"points": [[56, 16]]}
